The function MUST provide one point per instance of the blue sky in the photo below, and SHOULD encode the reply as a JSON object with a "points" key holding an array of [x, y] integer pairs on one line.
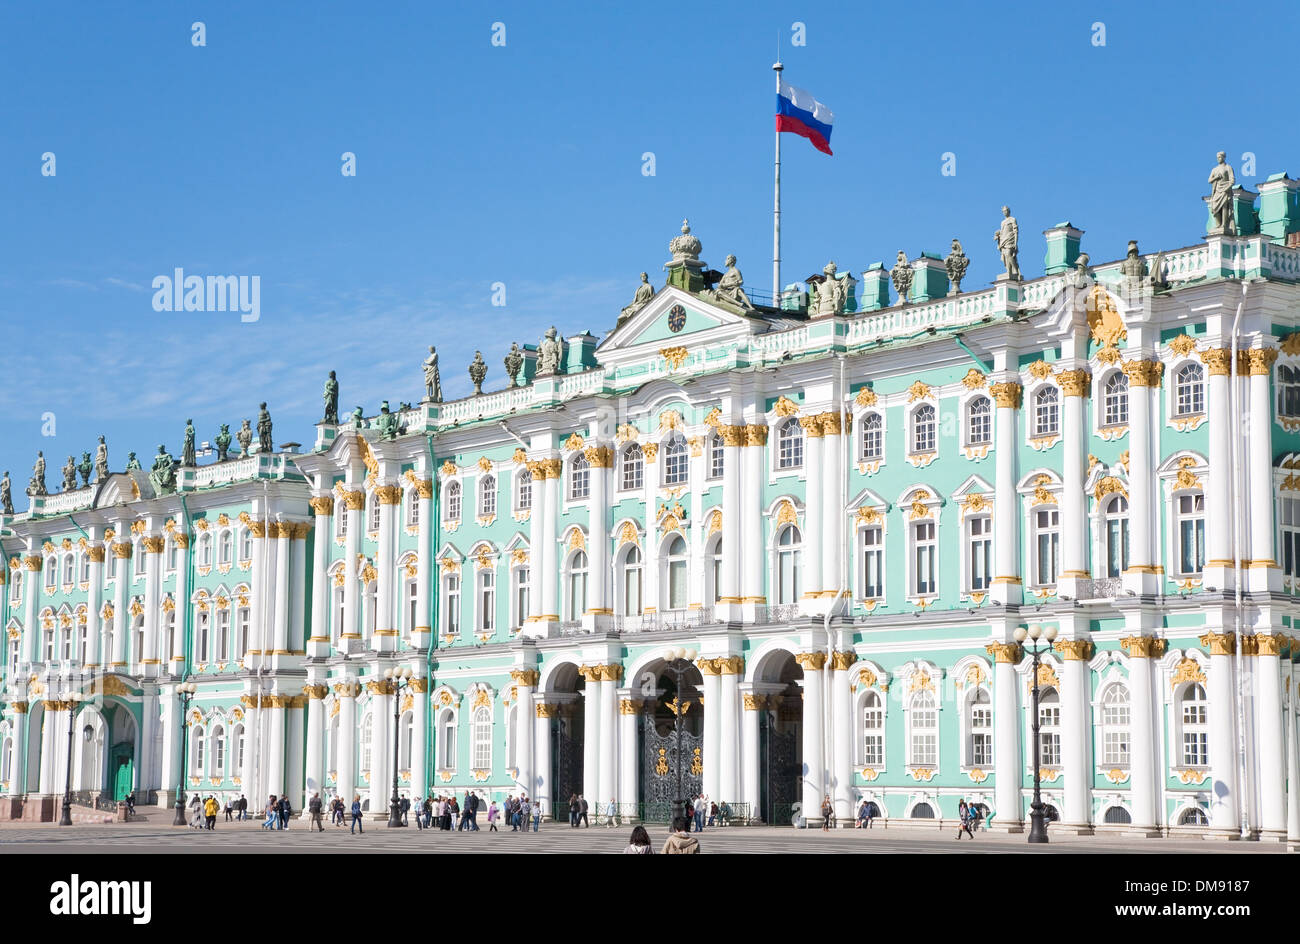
{"points": [[522, 165]]}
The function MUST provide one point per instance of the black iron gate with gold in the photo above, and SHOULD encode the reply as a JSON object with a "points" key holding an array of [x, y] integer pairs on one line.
{"points": [[659, 771]]}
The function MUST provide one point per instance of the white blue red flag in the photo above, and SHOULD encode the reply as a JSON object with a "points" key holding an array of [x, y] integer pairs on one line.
{"points": [[800, 113]]}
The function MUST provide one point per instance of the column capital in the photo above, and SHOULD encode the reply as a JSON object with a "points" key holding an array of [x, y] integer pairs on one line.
{"points": [[811, 661], [732, 435], [1144, 373], [730, 665], [322, 505], [1218, 360], [1144, 647], [831, 423], [812, 426], [1219, 644], [96, 553], [1006, 395], [389, 494], [1250, 645], [756, 434], [547, 709], [353, 501], [1261, 360], [316, 692], [121, 550], [525, 677], [709, 666], [552, 468], [629, 706], [842, 661], [1074, 650], [1271, 645], [153, 544], [755, 702], [1005, 652], [1074, 383], [347, 689], [599, 457]]}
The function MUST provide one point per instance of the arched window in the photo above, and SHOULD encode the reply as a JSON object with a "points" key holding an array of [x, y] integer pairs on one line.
{"points": [[873, 731], [717, 456], [67, 643], [447, 739], [713, 555], [16, 588], [789, 445], [1116, 536], [367, 738], [522, 580], [633, 581], [577, 595], [83, 635], [372, 512], [1114, 726], [922, 811], [1196, 730], [676, 565], [579, 478], [676, 460], [487, 496], [237, 745], [1191, 534], [205, 551], [487, 600], [218, 750], [632, 465], [1288, 391], [923, 744], [173, 558], [198, 742], [872, 441], [47, 639], [243, 622], [925, 554], [451, 604], [979, 720], [979, 421], [524, 491], [924, 429], [226, 548], [1047, 412], [789, 544], [1047, 536], [1049, 725], [1114, 400], [1193, 816], [453, 501], [482, 739], [1189, 390], [1117, 816]]}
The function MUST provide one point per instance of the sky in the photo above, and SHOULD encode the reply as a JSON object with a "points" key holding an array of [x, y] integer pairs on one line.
{"points": [[521, 163]]}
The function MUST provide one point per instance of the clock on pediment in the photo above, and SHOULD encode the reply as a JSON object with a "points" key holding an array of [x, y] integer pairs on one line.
{"points": [[676, 318]]}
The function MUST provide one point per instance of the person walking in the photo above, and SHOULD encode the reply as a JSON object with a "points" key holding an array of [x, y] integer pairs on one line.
{"points": [[537, 815], [230, 809], [286, 808], [314, 807], [680, 841], [272, 814], [525, 813], [963, 820], [573, 810], [976, 815], [582, 811], [724, 814], [405, 807], [639, 843], [701, 806], [210, 810], [196, 811], [492, 817], [713, 813], [243, 807], [356, 816], [611, 814], [828, 813]]}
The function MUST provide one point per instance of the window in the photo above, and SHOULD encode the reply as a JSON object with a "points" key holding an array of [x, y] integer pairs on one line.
{"points": [[788, 554], [237, 742], [169, 635], [338, 612], [1116, 536], [1289, 513], [173, 559], [676, 461], [16, 588], [372, 512], [47, 637], [1047, 412], [1117, 816], [51, 574], [196, 754], [579, 478], [1189, 390], [980, 720], [447, 730], [1288, 391], [717, 456], [873, 563], [487, 600], [633, 578], [676, 564], [1047, 531], [246, 544], [340, 522], [138, 636], [1114, 726], [1191, 533], [979, 422], [226, 548], [14, 646], [872, 443], [577, 595], [367, 737], [1196, 731], [218, 751], [1049, 731], [923, 746], [873, 731], [482, 737], [487, 496], [714, 555], [521, 578], [412, 590], [141, 561], [453, 501], [451, 604], [413, 508], [405, 726], [980, 548], [1114, 400], [924, 549], [924, 429], [1193, 816], [789, 445], [524, 491], [205, 551], [201, 638], [632, 463], [223, 636], [67, 568], [66, 653], [370, 607]]}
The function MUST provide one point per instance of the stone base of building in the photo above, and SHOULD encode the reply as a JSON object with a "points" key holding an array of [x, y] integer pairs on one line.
{"points": [[1221, 835], [1272, 836], [1071, 829], [997, 827], [11, 808], [40, 809], [1148, 832]]}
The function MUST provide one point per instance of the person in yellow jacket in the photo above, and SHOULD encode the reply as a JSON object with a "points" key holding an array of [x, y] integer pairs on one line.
{"points": [[210, 809]]}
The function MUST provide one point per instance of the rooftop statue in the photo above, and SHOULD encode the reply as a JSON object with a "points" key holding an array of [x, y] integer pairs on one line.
{"points": [[644, 292], [188, 459], [901, 274], [6, 495], [515, 362], [829, 295], [331, 398], [264, 429], [1158, 281], [244, 436], [1133, 270], [70, 475], [37, 485], [132, 463], [101, 460], [478, 373], [955, 265], [223, 442], [1007, 238], [1080, 277], [85, 467], [1222, 180], [387, 421], [163, 474], [358, 418], [548, 353], [730, 286], [432, 385]]}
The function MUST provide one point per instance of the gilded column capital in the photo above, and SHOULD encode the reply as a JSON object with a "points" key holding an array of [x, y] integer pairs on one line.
{"points": [[536, 468], [316, 691], [257, 529], [843, 661], [1220, 644], [353, 501], [121, 550], [418, 685], [811, 661], [755, 702], [19, 707], [379, 687], [1007, 395], [1218, 360], [589, 673], [1004, 652], [153, 545], [1250, 645], [525, 677], [709, 666], [613, 672], [322, 505], [1074, 650], [1271, 645], [599, 457], [547, 710], [812, 426], [282, 530], [1143, 647], [1074, 383], [34, 561], [347, 689], [96, 553], [423, 487], [831, 423], [389, 494], [1143, 373], [553, 468], [1261, 360], [627, 706], [732, 435], [756, 434], [182, 541], [731, 665]]}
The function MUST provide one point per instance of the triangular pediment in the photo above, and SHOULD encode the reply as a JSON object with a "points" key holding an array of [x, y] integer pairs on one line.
{"points": [[672, 317]]}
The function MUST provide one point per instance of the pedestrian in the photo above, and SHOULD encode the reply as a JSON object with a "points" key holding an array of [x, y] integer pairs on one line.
{"points": [[428, 811], [453, 814], [210, 809], [828, 812], [230, 809], [286, 808], [492, 817], [525, 813], [724, 814], [963, 820], [582, 811], [680, 841], [640, 843], [356, 816], [573, 810], [406, 809], [196, 811], [713, 813], [336, 810], [611, 814], [701, 806], [243, 807], [688, 812], [444, 814], [272, 814], [537, 815], [314, 807], [976, 815], [130, 803]]}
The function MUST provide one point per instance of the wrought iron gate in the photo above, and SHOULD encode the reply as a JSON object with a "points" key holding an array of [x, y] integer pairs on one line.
{"points": [[782, 773], [566, 758], [659, 772]]}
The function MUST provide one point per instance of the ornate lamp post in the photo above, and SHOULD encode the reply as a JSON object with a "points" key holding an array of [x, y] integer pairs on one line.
{"points": [[71, 700], [679, 662], [186, 692], [398, 680], [1037, 827]]}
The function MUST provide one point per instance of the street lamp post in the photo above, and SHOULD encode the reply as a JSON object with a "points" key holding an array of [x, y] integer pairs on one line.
{"points": [[186, 691], [398, 680], [1037, 826], [679, 662], [71, 700]]}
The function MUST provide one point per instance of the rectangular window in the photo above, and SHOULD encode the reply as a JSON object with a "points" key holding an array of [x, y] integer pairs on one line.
{"points": [[924, 550], [1289, 512], [1191, 534], [981, 552], [1047, 525], [451, 608], [521, 595], [924, 748], [873, 563], [981, 723], [487, 599], [1115, 747], [1051, 752], [85, 569]]}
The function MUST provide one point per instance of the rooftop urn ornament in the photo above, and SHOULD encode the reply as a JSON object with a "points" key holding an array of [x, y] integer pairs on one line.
{"points": [[132, 463], [432, 383], [387, 422], [188, 459], [514, 363], [955, 265], [685, 248], [829, 294], [70, 475], [731, 286], [1222, 181], [163, 474], [478, 373], [37, 485], [223, 442], [264, 429], [549, 352], [901, 274], [644, 292], [6, 495], [331, 398], [244, 436], [101, 460], [1007, 238], [85, 467]]}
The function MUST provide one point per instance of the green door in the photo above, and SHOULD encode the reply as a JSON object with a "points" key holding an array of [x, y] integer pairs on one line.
{"points": [[123, 768]]}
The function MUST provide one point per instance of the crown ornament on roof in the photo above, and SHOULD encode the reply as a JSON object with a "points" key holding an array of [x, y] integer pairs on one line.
{"points": [[686, 246]]}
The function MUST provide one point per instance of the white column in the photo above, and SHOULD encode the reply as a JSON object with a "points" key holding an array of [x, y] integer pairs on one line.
{"points": [[319, 637], [1074, 524], [294, 744], [1292, 763], [419, 733], [149, 653], [1076, 726], [591, 718], [712, 726], [1264, 573], [1271, 749], [832, 511], [261, 612], [814, 515], [1224, 802], [346, 762], [171, 747], [354, 503], [1006, 587], [525, 681], [381, 747], [813, 760], [610, 677], [273, 764], [842, 738], [629, 713], [599, 459], [121, 618], [298, 588], [751, 515], [426, 572], [728, 710], [20, 718], [536, 542], [282, 532], [749, 747], [1218, 498], [733, 437], [1143, 746], [95, 602], [542, 751], [315, 747], [386, 584], [184, 613], [49, 725], [1141, 575], [1009, 814], [548, 575]]}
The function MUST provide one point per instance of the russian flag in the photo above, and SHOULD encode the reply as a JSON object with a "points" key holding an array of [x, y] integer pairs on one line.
{"points": [[799, 112]]}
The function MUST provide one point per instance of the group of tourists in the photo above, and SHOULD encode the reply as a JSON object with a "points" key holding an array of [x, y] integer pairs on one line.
{"points": [[701, 812], [203, 812], [277, 812], [679, 842], [516, 811]]}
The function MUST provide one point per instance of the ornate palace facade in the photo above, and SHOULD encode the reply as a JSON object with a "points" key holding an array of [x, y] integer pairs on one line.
{"points": [[844, 504]]}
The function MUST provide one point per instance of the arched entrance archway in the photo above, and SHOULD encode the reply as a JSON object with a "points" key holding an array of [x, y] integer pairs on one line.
{"points": [[777, 679], [671, 769], [565, 717], [121, 768]]}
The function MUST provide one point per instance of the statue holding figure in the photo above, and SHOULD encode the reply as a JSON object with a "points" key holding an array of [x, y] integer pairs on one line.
{"points": [[644, 292], [1007, 238], [514, 363], [70, 475], [6, 495], [85, 467], [331, 398], [37, 485], [386, 422], [829, 295], [132, 463], [478, 373], [264, 429], [549, 353], [188, 459], [432, 383], [101, 460], [244, 436], [163, 474], [730, 286], [223, 442], [901, 275], [955, 265], [1222, 181]]}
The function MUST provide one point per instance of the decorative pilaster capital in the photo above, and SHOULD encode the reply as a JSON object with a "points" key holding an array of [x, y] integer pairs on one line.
{"points": [[1218, 360], [257, 529], [1250, 645], [599, 457], [1007, 395], [547, 710], [1220, 644], [153, 545], [755, 702], [423, 487], [316, 691], [1270, 645], [732, 435], [379, 687], [418, 685], [627, 706], [1074, 650], [347, 689], [33, 562], [1007, 653], [709, 666], [1261, 360], [182, 541], [831, 425], [96, 553], [1144, 647], [353, 501], [389, 494], [525, 677], [843, 661], [552, 468], [1143, 373], [121, 550], [731, 665], [19, 707], [756, 434], [322, 505], [812, 426], [1074, 383], [811, 661]]}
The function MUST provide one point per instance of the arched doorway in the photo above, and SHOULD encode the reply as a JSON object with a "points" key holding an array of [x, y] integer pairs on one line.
{"points": [[780, 736], [671, 767], [35, 721], [121, 766], [565, 691]]}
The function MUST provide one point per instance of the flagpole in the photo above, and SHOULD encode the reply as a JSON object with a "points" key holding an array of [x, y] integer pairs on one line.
{"points": [[776, 210]]}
